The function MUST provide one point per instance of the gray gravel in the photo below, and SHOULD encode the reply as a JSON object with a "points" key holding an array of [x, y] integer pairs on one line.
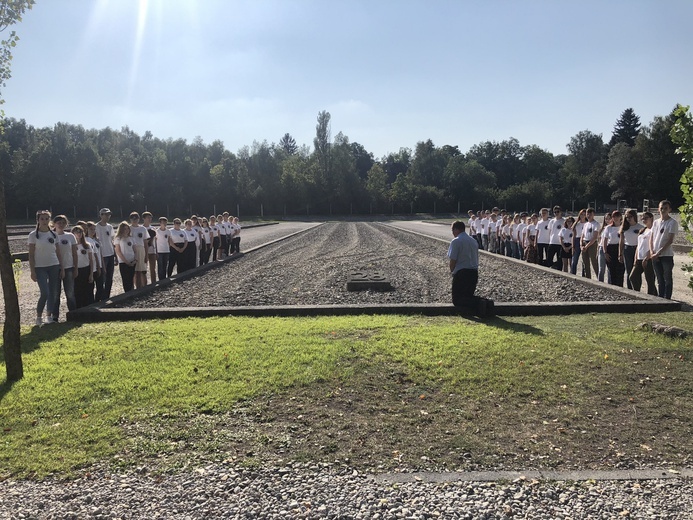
{"points": [[333, 491], [312, 269]]}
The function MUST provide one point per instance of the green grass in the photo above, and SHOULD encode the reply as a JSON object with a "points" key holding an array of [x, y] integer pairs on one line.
{"points": [[133, 391]]}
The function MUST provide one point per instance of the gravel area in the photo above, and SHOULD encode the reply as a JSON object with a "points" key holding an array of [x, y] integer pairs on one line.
{"points": [[334, 491], [312, 269]]}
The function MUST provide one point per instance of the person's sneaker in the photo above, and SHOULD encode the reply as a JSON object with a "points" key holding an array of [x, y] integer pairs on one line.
{"points": [[39, 321], [51, 320]]}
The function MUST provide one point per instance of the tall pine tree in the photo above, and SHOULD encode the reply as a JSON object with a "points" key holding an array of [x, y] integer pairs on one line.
{"points": [[626, 128]]}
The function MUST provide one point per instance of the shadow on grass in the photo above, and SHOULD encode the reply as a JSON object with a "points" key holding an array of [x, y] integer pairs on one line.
{"points": [[33, 340], [508, 325]]}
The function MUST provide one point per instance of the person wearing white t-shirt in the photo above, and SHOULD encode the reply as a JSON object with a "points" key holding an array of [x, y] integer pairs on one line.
{"points": [[206, 251], [566, 238], [139, 236], [192, 237], [105, 234], [236, 240], [163, 248], [630, 230], [662, 237], [543, 236], [611, 236], [178, 243], [588, 243], [577, 237], [484, 230], [214, 230], [222, 221], [530, 239], [518, 237], [98, 257], [150, 244], [125, 252], [643, 264], [84, 281], [67, 248], [44, 263], [554, 252]]}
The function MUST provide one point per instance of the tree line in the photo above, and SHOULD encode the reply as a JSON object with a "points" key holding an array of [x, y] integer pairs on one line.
{"points": [[76, 170]]}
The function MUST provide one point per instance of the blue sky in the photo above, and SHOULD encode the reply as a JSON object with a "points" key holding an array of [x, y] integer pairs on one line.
{"points": [[391, 73]]}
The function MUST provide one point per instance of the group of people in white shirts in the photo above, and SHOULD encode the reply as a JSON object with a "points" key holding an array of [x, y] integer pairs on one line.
{"points": [[619, 248], [82, 260]]}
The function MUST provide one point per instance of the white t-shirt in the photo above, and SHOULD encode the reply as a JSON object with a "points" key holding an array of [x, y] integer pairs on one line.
{"points": [[530, 232], [65, 243], [207, 234], [192, 236], [151, 250], [555, 227], [236, 229], [472, 226], [83, 254], [590, 231], [178, 236], [484, 225], [139, 235], [105, 235], [215, 230], [566, 236], [643, 245], [162, 235], [610, 236], [577, 229], [630, 237], [96, 248], [543, 232], [660, 231], [223, 228], [45, 254], [519, 230], [126, 244]]}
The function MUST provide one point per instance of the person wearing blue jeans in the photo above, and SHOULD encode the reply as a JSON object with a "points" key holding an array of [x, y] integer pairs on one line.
{"points": [[45, 265], [662, 237]]}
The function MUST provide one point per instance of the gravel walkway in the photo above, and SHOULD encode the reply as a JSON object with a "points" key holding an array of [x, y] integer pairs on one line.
{"points": [[312, 269], [334, 491]]}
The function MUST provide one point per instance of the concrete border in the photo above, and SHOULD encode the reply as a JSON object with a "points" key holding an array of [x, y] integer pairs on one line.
{"points": [[551, 475], [95, 313], [104, 311]]}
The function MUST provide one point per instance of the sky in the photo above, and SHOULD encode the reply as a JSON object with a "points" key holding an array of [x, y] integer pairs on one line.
{"points": [[390, 72]]}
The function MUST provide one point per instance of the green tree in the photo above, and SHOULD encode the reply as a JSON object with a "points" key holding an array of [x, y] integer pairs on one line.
{"points": [[11, 12], [682, 136], [376, 186], [623, 173], [626, 129], [323, 148], [288, 144]]}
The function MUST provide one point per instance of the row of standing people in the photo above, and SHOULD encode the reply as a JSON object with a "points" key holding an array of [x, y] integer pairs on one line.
{"points": [[82, 260], [620, 249]]}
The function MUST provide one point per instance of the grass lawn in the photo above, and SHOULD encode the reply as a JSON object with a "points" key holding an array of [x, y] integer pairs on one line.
{"points": [[376, 392]]}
